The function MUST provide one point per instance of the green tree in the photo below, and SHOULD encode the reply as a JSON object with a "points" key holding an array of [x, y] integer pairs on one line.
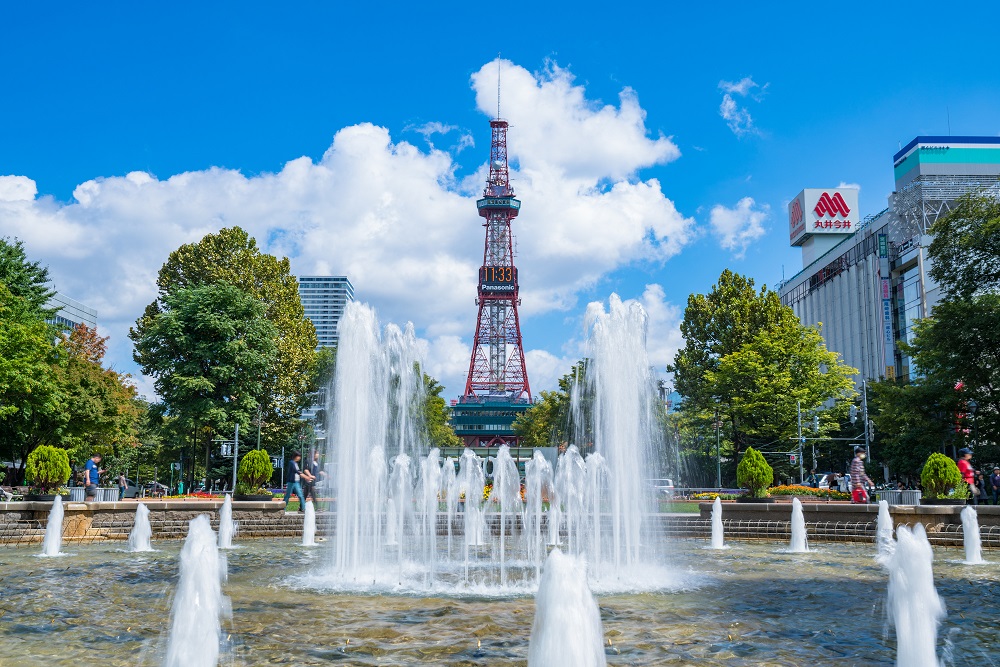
{"points": [[32, 402], [542, 425], [24, 278], [439, 431], [965, 251], [209, 350], [231, 256], [748, 357]]}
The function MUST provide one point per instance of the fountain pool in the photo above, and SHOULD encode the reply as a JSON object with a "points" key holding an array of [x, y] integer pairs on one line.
{"points": [[748, 605]]}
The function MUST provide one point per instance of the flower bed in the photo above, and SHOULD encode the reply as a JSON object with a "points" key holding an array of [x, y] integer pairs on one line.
{"points": [[782, 490]]}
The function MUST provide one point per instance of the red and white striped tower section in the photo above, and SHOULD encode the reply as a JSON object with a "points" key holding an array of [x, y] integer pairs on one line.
{"points": [[497, 372]]}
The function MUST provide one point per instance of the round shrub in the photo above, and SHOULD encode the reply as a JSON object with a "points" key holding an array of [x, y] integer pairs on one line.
{"points": [[754, 473], [47, 468], [939, 476], [255, 470]]}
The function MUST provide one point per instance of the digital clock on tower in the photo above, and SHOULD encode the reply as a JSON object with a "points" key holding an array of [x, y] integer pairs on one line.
{"points": [[497, 279]]}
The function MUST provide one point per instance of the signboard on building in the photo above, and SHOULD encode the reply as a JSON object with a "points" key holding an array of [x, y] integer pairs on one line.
{"points": [[888, 342], [822, 211]]}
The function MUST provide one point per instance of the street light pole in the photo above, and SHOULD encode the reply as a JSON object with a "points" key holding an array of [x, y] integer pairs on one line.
{"points": [[972, 405], [236, 453], [802, 472], [718, 456], [864, 409]]}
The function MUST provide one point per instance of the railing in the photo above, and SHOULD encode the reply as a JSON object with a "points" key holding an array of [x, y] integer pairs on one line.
{"points": [[104, 495], [897, 497]]}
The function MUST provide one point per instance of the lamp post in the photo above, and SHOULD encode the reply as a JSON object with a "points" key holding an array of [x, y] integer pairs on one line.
{"points": [[718, 455], [972, 405]]}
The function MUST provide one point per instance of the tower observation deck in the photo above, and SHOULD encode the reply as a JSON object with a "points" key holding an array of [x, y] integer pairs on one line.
{"points": [[497, 388]]}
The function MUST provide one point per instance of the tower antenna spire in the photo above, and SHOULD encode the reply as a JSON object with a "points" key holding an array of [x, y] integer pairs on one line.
{"points": [[498, 85]]}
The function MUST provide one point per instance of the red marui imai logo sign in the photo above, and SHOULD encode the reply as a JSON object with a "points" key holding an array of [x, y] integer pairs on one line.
{"points": [[822, 211]]}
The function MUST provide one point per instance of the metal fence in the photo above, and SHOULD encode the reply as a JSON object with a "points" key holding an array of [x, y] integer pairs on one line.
{"points": [[76, 494], [896, 497]]}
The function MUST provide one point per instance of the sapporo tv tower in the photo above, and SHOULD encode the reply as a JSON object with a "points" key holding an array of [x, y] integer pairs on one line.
{"points": [[497, 388]]}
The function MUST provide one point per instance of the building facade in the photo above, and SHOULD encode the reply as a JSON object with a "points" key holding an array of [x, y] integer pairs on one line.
{"points": [[71, 313], [324, 299], [868, 286]]}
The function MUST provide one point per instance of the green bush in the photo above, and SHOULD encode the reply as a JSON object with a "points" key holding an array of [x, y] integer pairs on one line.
{"points": [[941, 477], [254, 472], [754, 473], [47, 468]]}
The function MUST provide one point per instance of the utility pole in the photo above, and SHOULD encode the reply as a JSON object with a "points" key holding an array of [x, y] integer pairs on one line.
{"points": [[864, 409], [236, 453], [802, 472], [718, 456]]}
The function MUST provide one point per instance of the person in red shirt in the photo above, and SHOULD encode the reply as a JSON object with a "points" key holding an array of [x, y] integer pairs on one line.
{"points": [[968, 473]]}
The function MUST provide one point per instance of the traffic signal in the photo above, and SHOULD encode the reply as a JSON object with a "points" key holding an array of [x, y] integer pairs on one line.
{"points": [[854, 413], [816, 423]]}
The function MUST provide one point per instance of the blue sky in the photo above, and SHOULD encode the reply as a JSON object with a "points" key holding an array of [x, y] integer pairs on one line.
{"points": [[631, 178]]}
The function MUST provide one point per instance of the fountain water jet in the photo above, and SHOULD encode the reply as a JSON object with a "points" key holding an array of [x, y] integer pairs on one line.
{"points": [[309, 525], [567, 630], [970, 533], [195, 625], [798, 543], [227, 527], [883, 534], [53, 529], [718, 542], [913, 603], [138, 539]]}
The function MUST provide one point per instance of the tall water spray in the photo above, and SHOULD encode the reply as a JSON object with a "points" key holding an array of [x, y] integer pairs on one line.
{"points": [[53, 530], [138, 539], [567, 630], [798, 542], [506, 496], [309, 525], [914, 607], [970, 533], [618, 409], [227, 527], [537, 485], [376, 408], [195, 625], [718, 541], [884, 542]]}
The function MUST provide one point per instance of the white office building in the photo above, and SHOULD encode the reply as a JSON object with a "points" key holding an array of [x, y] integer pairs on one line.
{"points": [[324, 299], [71, 313], [866, 281]]}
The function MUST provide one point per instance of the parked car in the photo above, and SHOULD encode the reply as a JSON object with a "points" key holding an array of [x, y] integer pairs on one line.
{"points": [[664, 488], [131, 490], [155, 489]]}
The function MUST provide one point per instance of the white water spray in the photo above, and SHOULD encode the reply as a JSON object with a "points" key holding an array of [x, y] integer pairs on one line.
{"points": [[913, 605], [718, 541], [884, 542], [53, 530], [309, 525], [970, 533], [142, 532], [567, 631], [195, 626], [798, 543], [227, 527]]}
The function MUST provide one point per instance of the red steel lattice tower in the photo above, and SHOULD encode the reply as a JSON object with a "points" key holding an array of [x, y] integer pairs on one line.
{"points": [[497, 367]]}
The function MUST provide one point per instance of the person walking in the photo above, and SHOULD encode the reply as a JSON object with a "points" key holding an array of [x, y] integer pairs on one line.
{"points": [[315, 474], [92, 477], [858, 477], [122, 485], [293, 476], [984, 495], [812, 480], [995, 485], [968, 474]]}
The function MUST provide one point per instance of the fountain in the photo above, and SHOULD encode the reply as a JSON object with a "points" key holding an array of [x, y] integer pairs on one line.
{"points": [[884, 542], [717, 538], [970, 532], [138, 539], [567, 630], [309, 525], [53, 529], [227, 527], [195, 625], [913, 604], [798, 543]]}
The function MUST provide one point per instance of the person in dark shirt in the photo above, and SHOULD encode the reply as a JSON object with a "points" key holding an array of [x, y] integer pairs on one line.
{"points": [[293, 481], [312, 474], [92, 477], [995, 485]]}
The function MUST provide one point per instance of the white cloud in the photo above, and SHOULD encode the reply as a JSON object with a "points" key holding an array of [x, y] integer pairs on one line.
{"points": [[393, 217], [845, 184], [738, 117], [736, 228]]}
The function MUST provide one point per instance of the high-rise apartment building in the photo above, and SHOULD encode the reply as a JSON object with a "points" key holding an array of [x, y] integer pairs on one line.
{"points": [[324, 299]]}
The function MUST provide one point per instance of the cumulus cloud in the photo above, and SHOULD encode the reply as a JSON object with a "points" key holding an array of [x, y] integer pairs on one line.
{"points": [[738, 117], [736, 228], [395, 218], [845, 184]]}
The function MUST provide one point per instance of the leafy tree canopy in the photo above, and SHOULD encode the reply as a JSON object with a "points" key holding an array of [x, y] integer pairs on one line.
{"points": [[231, 256], [26, 279], [436, 415], [966, 247]]}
